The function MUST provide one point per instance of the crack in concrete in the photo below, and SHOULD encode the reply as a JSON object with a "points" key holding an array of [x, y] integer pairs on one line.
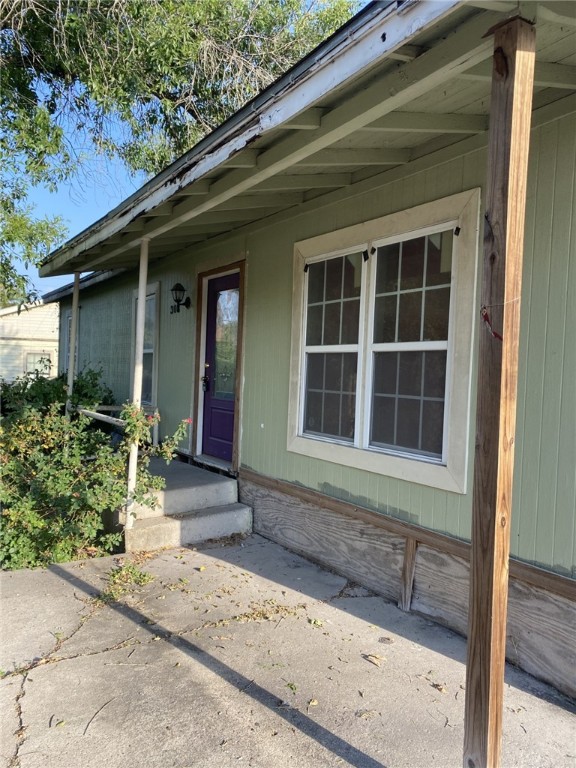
{"points": [[20, 732], [348, 589], [60, 640]]}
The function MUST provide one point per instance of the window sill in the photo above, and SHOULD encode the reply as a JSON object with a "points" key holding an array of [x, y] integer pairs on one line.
{"points": [[409, 469]]}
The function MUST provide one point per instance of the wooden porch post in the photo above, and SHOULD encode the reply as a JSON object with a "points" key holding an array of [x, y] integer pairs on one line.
{"points": [[72, 340], [137, 377], [509, 139]]}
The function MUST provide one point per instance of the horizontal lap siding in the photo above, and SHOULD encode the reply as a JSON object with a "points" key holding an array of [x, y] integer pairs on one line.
{"points": [[33, 329]]}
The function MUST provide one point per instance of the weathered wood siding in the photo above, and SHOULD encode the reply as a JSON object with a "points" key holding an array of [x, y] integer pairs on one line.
{"points": [[541, 621]]}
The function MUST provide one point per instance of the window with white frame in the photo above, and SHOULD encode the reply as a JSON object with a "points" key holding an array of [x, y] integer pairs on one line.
{"points": [[38, 362], [382, 339], [150, 348], [67, 339]]}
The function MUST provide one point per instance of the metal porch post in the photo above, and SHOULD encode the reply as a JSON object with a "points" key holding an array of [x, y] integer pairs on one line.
{"points": [[137, 378], [72, 341]]}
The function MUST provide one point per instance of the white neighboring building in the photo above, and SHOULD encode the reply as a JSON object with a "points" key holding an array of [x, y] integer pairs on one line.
{"points": [[28, 337]]}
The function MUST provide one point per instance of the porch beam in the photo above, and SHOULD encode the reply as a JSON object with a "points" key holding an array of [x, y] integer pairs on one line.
{"points": [[307, 121], [339, 157], [546, 75], [508, 145], [246, 158], [137, 374], [426, 122], [407, 52], [558, 12], [165, 209], [200, 187], [72, 341], [304, 181], [262, 201]]}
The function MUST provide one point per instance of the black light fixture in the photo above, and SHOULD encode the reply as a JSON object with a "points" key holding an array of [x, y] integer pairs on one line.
{"points": [[178, 292]]}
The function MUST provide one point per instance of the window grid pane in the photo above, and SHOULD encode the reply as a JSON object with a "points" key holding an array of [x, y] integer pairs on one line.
{"points": [[408, 393], [333, 301], [330, 395], [413, 277]]}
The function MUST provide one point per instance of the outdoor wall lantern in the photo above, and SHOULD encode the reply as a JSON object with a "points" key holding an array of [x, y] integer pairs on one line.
{"points": [[178, 292]]}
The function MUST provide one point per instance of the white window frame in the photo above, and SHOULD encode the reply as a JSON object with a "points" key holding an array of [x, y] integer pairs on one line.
{"points": [[67, 317], [46, 354], [460, 211], [151, 290]]}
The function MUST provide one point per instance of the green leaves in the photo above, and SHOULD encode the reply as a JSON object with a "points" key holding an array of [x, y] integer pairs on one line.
{"points": [[62, 476], [141, 80]]}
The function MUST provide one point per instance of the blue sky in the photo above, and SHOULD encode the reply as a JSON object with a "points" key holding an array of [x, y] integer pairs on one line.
{"points": [[80, 203]]}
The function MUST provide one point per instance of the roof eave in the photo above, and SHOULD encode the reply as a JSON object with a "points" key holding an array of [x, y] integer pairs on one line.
{"points": [[356, 46]]}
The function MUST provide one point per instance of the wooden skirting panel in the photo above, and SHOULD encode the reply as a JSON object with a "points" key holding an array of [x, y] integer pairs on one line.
{"points": [[441, 588], [363, 553], [422, 571]]}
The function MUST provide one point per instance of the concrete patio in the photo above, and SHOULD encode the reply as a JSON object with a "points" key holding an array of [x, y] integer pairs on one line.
{"points": [[241, 653]]}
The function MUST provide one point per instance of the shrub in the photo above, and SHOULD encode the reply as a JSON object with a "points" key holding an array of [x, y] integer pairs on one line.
{"points": [[61, 476], [36, 390]]}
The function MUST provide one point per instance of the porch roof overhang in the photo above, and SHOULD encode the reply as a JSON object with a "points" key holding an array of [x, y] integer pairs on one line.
{"points": [[401, 87]]}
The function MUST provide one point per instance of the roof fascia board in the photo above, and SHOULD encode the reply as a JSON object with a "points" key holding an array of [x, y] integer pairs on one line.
{"points": [[85, 282], [358, 50]]}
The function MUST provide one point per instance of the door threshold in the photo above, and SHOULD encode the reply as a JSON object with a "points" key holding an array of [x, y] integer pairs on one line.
{"points": [[215, 464]]}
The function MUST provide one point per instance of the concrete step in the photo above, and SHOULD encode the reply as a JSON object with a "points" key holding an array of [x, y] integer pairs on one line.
{"points": [[187, 488], [189, 527]]}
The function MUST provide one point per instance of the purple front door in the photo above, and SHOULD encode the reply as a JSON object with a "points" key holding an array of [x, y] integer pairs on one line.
{"points": [[219, 381]]}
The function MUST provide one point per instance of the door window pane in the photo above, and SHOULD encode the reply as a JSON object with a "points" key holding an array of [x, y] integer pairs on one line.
{"points": [[225, 344], [150, 322]]}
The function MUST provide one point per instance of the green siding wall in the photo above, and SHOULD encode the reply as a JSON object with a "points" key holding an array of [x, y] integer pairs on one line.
{"points": [[269, 313], [544, 499], [543, 523], [104, 332], [544, 513]]}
